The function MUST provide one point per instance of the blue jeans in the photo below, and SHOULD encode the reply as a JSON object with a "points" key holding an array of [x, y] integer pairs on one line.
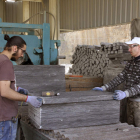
{"points": [[8, 130]]}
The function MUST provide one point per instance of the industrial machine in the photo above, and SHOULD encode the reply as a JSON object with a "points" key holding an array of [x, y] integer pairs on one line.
{"points": [[40, 51], [43, 51]]}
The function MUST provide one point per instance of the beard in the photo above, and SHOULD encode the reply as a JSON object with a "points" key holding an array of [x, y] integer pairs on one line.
{"points": [[14, 56]]}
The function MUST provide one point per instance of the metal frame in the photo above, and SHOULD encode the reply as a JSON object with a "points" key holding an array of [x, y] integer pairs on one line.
{"points": [[40, 51]]}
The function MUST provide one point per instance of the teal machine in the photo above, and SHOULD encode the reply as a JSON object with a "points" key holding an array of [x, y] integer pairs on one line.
{"points": [[39, 51]]}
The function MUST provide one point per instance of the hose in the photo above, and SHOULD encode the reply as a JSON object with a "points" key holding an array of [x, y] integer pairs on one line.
{"points": [[41, 13]]}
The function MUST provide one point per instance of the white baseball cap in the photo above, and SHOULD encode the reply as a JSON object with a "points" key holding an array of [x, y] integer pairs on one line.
{"points": [[134, 40]]}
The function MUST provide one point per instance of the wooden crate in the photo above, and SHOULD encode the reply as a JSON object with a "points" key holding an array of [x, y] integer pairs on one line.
{"points": [[82, 84], [75, 109]]}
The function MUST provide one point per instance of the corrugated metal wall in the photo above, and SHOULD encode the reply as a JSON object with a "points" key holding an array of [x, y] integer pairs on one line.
{"points": [[36, 7], [84, 14], [2, 9], [13, 12], [80, 14]]}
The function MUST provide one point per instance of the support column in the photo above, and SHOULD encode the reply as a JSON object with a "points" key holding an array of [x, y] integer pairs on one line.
{"points": [[54, 9], [26, 10], [2, 10]]}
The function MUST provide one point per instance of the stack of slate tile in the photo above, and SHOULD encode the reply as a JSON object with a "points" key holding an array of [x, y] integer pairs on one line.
{"points": [[75, 109], [38, 78], [120, 131], [115, 48]]}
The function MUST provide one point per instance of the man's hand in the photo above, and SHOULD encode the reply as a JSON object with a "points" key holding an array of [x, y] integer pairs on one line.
{"points": [[34, 101], [119, 95], [22, 91], [97, 89]]}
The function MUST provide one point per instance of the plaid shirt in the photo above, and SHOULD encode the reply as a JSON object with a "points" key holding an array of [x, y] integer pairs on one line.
{"points": [[130, 75]]}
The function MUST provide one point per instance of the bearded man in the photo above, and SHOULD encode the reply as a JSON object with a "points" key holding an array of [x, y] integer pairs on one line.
{"points": [[14, 49]]}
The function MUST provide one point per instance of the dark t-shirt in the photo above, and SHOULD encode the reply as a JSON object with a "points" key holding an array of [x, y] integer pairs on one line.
{"points": [[8, 108]]}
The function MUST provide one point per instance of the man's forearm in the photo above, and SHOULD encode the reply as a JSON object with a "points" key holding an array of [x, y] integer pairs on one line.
{"points": [[13, 95], [114, 82], [133, 91]]}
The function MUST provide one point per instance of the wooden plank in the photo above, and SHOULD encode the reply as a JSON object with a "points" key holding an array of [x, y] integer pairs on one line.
{"points": [[84, 84], [84, 79], [38, 78], [78, 89]]}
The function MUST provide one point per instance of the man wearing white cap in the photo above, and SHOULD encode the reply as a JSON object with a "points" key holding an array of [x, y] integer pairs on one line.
{"points": [[130, 75]]}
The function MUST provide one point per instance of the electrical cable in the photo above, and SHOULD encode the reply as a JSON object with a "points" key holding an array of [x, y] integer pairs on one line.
{"points": [[19, 109], [54, 23], [41, 13], [30, 17], [39, 33]]}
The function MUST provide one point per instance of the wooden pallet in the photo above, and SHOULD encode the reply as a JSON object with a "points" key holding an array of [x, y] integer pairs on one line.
{"points": [[83, 83]]}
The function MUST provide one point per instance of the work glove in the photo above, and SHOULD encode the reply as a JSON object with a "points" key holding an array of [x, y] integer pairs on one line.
{"points": [[34, 101], [119, 95], [97, 89], [22, 91]]}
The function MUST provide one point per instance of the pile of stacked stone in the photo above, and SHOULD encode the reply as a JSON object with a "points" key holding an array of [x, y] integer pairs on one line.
{"points": [[93, 60], [115, 48]]}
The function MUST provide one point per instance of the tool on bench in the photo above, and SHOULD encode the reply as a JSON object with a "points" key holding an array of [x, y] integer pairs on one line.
{"points": [[49, 93]]}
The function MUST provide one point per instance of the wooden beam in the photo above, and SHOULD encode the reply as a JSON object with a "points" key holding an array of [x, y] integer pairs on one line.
{"points": [[25, 10], [54, 9], [30, 0], [2, 10]]}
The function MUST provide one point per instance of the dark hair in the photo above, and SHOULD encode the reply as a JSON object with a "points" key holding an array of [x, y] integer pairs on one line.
{"points": [[13, 41]]}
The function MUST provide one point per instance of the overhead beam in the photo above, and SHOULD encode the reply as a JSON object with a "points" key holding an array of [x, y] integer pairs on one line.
{"points": [[30, 0], [20, 25]]}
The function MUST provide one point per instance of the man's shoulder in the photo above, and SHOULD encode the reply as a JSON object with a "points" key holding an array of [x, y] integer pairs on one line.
{"points": [[4, 59], [129, 62]]}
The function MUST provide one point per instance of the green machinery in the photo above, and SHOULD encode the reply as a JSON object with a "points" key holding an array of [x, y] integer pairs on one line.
{"points": [[39, 51]]}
